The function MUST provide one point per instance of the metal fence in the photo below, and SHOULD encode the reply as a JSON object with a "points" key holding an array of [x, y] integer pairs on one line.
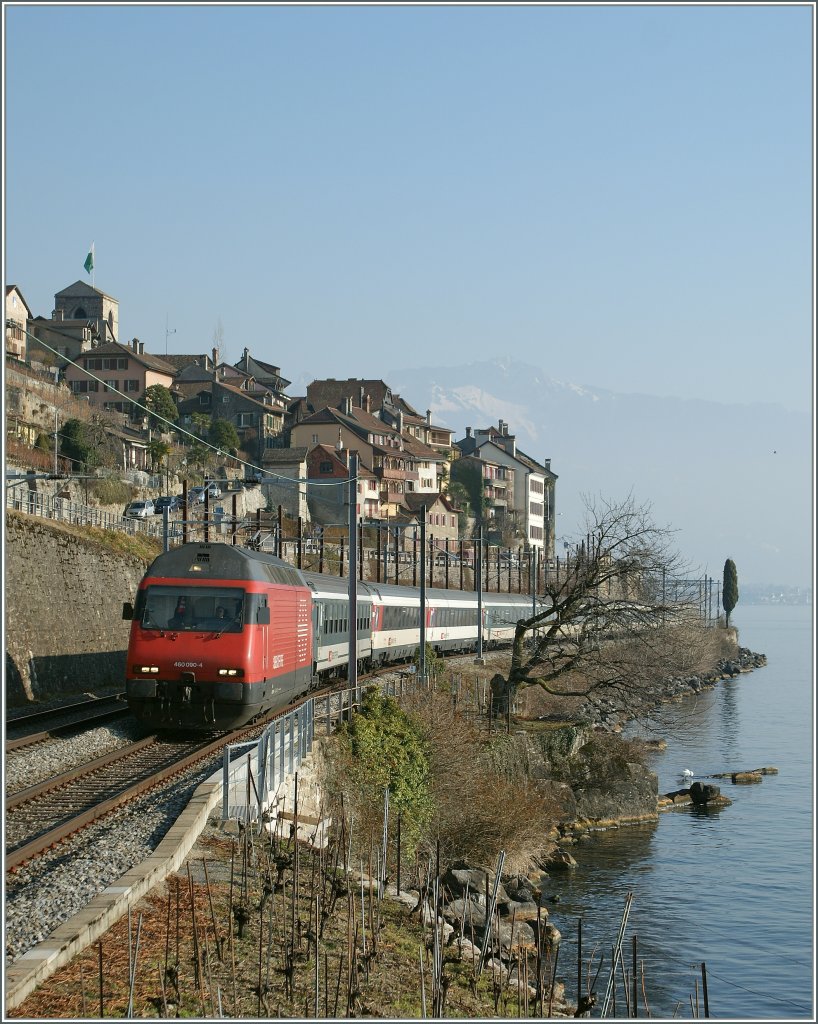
{"points": [[64, 510]]}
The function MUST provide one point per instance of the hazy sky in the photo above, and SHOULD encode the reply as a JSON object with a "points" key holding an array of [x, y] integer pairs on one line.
{"points": [[619, 195]]}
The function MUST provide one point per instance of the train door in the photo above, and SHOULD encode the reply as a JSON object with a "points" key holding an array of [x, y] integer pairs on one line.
{"points": [[264, 621], [317, 633]]}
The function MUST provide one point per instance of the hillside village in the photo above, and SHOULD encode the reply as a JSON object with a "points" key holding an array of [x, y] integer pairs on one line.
{"points": [[70, 377]]}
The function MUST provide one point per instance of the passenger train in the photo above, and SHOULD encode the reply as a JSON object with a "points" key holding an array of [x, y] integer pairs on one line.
{"points": [[223, 634]]}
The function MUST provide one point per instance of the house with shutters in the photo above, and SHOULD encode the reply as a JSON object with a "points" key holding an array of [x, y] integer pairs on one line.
{"points": [[17, 316], [254, 410], [328, 475], [515, 484], [113, 376], [401, 464]]}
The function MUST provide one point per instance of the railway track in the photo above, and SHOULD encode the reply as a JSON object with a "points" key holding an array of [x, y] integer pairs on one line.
{"points": [[41, 816], [40, 726]]}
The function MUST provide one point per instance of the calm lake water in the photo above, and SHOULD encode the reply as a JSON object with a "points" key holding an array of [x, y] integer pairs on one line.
{"points": [[731, 888]]}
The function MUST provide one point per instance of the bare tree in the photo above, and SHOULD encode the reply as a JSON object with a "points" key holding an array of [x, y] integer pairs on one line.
{"points": [[218, 341], [614, 618]]}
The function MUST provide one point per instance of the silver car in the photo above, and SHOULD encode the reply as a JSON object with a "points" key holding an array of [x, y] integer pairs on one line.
{"points": [[140, 509]]}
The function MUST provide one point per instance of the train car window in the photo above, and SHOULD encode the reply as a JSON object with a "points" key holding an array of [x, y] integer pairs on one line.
{"points": [[182, 607]]}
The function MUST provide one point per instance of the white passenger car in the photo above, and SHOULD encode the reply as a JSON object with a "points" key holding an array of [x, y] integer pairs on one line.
{"points": [[140, 509]]}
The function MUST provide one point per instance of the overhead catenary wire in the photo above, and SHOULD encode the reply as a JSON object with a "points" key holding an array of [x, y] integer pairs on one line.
{"points": [[181, 430]]}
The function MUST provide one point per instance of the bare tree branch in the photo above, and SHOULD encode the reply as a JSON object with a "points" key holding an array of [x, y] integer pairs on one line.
{"points": [[613, 620]]}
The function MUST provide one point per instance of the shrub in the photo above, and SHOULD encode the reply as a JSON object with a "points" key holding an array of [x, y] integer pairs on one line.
{"points": [[381, 747], [432, 661], [483, 799]]}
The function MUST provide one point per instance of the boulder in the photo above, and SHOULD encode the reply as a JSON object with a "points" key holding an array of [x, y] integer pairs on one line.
{"points": [[522, 934], [553, 937], [632, 796], [523, 911], [745, 778], [702, 792], [467, 911], [521, 889], [461, 875], [559, 860]]}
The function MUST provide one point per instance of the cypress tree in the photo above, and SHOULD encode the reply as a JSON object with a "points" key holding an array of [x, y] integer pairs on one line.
{"points": [[729, 590]]}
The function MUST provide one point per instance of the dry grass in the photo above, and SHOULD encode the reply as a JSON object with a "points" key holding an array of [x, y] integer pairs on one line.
{"points": [[117, 541]]}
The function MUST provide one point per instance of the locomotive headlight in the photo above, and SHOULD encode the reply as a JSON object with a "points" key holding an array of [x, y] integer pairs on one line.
{"points": [[148, 668], [231, 671]]}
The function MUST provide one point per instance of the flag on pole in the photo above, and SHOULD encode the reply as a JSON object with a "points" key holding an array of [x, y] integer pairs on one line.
{"points": [[89, 260]]}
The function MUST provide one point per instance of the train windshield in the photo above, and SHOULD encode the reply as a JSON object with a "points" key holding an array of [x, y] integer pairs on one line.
{"points": [[191, 608]]}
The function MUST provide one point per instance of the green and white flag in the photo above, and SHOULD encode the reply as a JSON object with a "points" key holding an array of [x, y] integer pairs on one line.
{"points": [[89, 260]]}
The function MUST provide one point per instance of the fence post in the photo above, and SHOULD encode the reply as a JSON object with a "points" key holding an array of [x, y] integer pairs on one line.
{"points": [[225, 781]]}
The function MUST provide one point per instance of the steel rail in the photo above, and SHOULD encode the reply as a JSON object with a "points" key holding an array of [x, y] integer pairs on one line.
{"points": [[58, 730], [25, 796], [43, 716], [51, 838]]}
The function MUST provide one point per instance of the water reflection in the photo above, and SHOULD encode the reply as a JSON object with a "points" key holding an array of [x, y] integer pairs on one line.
{"points": [[729, 721]]}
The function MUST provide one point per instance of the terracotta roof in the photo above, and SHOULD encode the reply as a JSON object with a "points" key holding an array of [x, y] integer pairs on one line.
{"points": [[420, 450], [115, 348], [331, 392], [330, 451], [180, 361]]}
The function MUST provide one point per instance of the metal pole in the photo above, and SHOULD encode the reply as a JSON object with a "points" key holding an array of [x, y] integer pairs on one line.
{"points": [[704, 990], [422, 664], [479, 567], [352, 671]]}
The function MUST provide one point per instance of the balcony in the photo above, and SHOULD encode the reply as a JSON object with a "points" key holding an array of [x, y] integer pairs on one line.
{"points": [[382, 473]]}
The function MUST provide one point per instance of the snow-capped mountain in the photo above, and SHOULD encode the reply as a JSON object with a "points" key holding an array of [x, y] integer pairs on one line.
{"points": [[734, 480]]}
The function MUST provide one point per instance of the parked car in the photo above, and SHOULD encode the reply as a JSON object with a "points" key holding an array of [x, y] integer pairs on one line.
{"points": [[196, 495], [170, 502], [442, 557], [140, 509]]}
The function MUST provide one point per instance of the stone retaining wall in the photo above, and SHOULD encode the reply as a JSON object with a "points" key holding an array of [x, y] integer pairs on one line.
{"points": [[63, 610]]}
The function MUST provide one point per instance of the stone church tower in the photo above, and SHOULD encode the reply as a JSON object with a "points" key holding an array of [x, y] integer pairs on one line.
{"points": [[80, 301]]}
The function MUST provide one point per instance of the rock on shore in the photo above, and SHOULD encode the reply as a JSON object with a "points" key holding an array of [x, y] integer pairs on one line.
{"points": [[604, 714]]}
